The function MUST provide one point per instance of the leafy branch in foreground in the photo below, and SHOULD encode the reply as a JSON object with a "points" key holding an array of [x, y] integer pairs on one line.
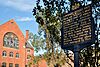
{"points": [[49, 16]]}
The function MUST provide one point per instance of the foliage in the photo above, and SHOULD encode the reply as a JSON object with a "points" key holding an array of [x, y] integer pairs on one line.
{"points": [[90, 56], [91, 53], [37, 41], [49, 16]]}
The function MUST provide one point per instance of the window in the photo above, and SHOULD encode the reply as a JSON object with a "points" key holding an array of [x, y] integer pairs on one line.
{"points": [[11, 40], [26, 66], [28, 56], [16, 65], [17, 55], [3, 64], [11, 54], [28, 51], [10, 64], [4, 53]]}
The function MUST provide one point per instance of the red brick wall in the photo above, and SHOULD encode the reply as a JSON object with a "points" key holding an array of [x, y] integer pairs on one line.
{"points": [[31, 53], [11, 26], [42, 63]]}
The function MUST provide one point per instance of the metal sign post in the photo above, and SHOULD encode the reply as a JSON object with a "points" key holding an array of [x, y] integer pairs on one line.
{"points": [[76, 56], [78, 31]]}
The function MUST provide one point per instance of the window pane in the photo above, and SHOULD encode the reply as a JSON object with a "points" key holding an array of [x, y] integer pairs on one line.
{"points": [[11, 54], [17, 55], [28, 56], [11, 40], [4, 53], [10, 64], [16, 65], [28, 50], [3, 64], [26, 66]]}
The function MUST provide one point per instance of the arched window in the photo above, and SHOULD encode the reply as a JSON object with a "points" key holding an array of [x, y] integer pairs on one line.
{"points": [[11, 40], [17, 55], [3, 64], [11, 54], [4, 53]]}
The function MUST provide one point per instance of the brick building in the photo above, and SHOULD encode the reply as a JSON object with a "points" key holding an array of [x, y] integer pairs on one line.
{"points": [[15, 48], [15, 51]]}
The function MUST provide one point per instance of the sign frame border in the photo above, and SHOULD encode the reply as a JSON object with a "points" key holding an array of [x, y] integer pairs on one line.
{"points": [[83, 44]]}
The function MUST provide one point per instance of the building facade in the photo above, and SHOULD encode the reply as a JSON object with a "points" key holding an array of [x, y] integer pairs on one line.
{"points": [[13, 50]]}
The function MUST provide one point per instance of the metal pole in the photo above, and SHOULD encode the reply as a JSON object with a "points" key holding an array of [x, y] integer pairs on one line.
{"points": [[97, 44], [76, 56]]}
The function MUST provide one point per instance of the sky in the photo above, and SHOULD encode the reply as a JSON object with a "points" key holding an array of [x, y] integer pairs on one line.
{"points": [[21, 12]]}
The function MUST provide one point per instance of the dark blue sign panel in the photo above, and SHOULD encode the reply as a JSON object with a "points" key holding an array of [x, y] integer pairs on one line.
{"points": [[78, 28]]}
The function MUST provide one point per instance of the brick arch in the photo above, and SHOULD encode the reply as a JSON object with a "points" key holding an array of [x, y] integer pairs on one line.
{"points": [[12, 33]]}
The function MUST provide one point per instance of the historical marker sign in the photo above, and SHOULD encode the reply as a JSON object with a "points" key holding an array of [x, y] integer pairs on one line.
{"points": [[78, 27]]}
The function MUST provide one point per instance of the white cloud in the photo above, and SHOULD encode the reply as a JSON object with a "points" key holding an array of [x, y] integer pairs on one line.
{"points": [[22, 5], [25, 19]]}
